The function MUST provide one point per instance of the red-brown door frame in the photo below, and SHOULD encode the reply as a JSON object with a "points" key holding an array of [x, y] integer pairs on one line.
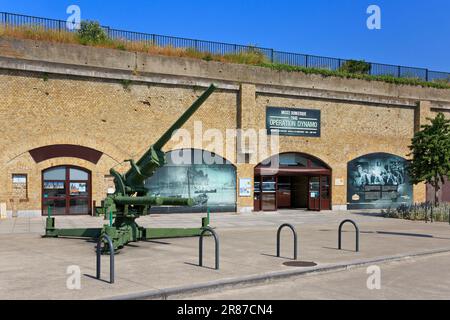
{"points": [[276, 200], [67, 196]]}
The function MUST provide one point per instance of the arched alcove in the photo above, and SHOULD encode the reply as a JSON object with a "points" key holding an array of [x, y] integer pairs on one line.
{"points": [[292, 180], [378, 181], [207, 178]]}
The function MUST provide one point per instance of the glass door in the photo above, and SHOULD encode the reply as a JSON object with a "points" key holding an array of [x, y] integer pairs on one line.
{"points": [[257, 194], [66, 190], [78, 191], [314, 193], [269, 193], [325, 193]]}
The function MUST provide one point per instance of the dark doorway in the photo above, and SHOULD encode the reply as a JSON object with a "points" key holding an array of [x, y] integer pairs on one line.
{"points": [[67, 190], [292, 181]]}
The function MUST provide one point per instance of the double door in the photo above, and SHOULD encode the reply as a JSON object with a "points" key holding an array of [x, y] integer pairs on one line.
{"points": [[67, 190], [319, 195], [274, 192]]}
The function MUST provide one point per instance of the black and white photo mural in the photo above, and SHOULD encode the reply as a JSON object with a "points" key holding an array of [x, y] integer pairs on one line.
{"points": [[378, 181], [208, 179]]}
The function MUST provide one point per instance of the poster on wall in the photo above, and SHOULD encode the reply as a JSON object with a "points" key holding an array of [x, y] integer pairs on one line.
{"points": [[245, 187], [78, 188], [211, 186], [293, 122], [378, 181]]}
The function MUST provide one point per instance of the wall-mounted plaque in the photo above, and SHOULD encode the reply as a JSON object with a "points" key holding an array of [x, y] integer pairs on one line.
{"points": [[245, 187], [293, 122]]}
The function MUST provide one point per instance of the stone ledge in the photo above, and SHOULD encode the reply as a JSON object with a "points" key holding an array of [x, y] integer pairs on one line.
{"points": [[188, 68]]}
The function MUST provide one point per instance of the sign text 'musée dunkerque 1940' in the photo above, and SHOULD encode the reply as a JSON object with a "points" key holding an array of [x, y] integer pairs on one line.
{"points": [[293, 122]]}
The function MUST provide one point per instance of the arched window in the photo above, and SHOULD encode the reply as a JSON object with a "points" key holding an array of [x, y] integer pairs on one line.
{"points": [[67, 190]]}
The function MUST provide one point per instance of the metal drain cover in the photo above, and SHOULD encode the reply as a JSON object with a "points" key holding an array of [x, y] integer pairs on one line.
{"points": [[300, 264]]}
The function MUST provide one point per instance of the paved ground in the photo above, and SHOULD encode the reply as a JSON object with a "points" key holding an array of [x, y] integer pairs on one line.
{"points": [[32, 267], [413, 279]]}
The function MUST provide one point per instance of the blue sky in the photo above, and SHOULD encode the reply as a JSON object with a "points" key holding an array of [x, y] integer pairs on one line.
{"points": [[414, 33]]}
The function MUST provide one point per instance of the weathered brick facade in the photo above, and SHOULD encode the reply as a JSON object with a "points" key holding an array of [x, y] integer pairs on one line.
{"points": [[48, 97]]}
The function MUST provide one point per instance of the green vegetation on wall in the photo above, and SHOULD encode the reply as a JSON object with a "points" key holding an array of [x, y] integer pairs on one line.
{"points": [[357, 67], [92, 34]]}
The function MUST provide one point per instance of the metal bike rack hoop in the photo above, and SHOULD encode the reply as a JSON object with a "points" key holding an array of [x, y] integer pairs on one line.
{"points": [[216, 240], [111, 257], [340, 233], [290, 226]]}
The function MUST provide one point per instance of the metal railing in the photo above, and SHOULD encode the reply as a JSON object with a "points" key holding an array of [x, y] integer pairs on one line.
{"points": [[220, 48]]}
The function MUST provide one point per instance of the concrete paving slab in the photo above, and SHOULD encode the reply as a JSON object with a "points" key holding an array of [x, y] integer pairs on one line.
{"points": [[421, 278], [32, 267]]}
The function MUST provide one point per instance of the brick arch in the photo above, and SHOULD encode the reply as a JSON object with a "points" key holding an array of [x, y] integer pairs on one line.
{"points": [[65, 150], [360, 154], [321, 157], [202, 150], [18, 148]]}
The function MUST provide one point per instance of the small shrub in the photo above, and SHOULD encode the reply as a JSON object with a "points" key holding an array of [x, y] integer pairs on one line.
{"points": [[126, 84], [354, 66], [91, 33], [444, 81], [419, 212], [251, 56], [121, 46]]}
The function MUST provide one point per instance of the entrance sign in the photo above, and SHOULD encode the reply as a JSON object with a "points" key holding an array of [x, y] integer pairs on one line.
{"points": [[293, 122]]}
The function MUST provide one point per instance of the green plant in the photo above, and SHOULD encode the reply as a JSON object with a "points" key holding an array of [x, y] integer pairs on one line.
{"points": [[126, 84], [91, 33], [444, 81], [354, 66], [430, 151], [341, 74], [419, 212], [121, 46], [251, 56]]}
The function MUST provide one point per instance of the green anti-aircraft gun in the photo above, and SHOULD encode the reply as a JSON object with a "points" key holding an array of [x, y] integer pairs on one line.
{"points": [[131, 199]]}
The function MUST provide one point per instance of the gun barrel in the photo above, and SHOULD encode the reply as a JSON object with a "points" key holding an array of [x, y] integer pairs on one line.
{"points": [[153, 201], [184, 118], [154, 157]]}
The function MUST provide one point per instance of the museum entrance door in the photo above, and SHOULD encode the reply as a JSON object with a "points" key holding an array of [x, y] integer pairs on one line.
{"points": [[292, 181], [319, 195], [67, 190]]}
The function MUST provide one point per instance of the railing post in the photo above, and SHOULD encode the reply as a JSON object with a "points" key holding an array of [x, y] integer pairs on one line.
{"points": [[340, 233], [111, 257], [307, 60], [200, 247], [279, 238]]}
